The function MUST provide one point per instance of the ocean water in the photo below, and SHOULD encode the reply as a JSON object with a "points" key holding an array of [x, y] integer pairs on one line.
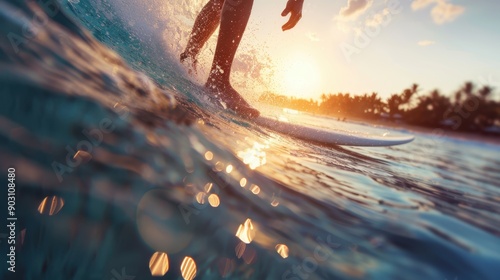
{"points": [[119, 159]]}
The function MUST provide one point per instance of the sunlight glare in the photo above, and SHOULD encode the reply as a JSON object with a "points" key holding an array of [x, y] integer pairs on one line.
{"points": [[300, 76]]}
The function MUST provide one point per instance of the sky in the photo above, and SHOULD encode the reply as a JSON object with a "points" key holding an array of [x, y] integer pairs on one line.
{"points": [[383, 46]]}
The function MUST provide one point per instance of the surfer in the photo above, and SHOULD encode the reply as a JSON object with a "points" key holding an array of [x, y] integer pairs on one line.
{"points": [[232, 15]]}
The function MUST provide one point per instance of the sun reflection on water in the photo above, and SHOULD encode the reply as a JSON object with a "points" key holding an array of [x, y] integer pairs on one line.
{"points": [[240, 249], [83, 156], [208, 187], [158, 264], [282, 250], [226, 266], [249, 255], [243, 182], [188, 268], [214, 200], [209, 155], [201, 197], [51, 205], [246, 232], [255, 156], [255, 189], [219, 166]]}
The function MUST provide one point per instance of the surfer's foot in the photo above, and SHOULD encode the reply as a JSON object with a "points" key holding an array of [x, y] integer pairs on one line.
{"points": [[188, 53], [189, 58], [231, 99]]}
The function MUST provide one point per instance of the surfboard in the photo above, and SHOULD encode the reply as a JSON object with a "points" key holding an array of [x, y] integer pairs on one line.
{"points": [[343, 134], [305, 127]]}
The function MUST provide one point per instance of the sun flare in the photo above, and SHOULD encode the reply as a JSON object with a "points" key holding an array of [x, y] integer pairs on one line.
{"points": [[300, 77]]}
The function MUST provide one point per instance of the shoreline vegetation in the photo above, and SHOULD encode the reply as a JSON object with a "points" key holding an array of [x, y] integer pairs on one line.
{"points": [[470, 109]]}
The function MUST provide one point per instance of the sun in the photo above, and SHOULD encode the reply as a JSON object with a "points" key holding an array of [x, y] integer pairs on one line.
{"points": [[300, 76]]}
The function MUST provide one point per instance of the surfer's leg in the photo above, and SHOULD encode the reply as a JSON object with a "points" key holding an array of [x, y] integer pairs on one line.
{"points": [[234, 19], [204, 26]]}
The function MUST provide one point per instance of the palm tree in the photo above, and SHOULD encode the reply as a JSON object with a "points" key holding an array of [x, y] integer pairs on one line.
{"points": [[393, 104], [485, 92], [430, 110], [376, 104], [407, 95]]}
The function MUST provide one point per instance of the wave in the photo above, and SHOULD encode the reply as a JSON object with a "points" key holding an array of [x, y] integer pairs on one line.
{"points": [[102, 123]]}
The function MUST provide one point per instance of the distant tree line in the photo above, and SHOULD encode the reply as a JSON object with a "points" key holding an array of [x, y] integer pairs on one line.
{"points": [[467, 109]]}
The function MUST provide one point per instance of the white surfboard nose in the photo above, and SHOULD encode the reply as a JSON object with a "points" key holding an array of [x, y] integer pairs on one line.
{"points": [[333, 136]]}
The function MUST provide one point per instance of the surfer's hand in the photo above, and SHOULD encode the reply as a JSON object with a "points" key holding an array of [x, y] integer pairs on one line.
{"points": [[293, 7]]}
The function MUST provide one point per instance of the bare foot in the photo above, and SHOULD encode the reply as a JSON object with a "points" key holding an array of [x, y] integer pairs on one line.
{"points": [[231, 99], [190, 60]]}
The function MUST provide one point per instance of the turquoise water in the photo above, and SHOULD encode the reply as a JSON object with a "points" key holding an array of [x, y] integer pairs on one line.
{"points": [[157, 173]]}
